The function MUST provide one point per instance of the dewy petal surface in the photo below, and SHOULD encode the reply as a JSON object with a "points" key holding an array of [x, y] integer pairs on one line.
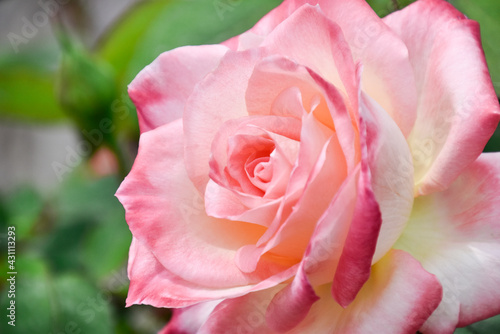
{"points": [[455, 234], [162, 88], [457, 108]]}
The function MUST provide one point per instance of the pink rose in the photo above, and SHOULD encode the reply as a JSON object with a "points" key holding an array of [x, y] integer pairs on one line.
{"points": [[320, 173]]}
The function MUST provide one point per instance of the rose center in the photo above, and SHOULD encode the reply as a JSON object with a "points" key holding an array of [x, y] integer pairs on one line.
{"points": [[259, 171]]}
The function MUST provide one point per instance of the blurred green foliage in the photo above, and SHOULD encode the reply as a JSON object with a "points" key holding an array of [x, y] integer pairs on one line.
{"points": [[17, 103], [72, 245]]}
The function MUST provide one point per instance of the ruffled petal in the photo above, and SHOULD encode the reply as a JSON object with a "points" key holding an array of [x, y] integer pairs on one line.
{"points": [[458, 109], [455, 234], [162, 88]]}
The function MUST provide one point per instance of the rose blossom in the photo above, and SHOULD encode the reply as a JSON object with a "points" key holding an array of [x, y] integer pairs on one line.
{"points": [[320, 173]]}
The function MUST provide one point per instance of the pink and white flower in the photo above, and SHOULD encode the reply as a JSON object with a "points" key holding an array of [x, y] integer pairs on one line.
{"points": [[320, 173]]}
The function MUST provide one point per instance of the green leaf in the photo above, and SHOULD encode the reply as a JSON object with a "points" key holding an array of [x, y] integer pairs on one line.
{"points": [[60, 304], [385, 7], [23, 209], [118, 45], [493, 144], [27, 94], [64, 245], [487, 13], [91, 231], [83, 198], [106, 248], [488, 326], [382, 7], [81, 307]]}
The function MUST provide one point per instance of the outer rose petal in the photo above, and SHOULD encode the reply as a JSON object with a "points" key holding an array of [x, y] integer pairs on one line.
{"points": [[161, 89], [189, 319], [151, 283], [457, 108], [165, 212], [398, 298], [455, 234]]}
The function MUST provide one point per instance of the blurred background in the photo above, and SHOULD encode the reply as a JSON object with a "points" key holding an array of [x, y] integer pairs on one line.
{"points": [[69, 134]]}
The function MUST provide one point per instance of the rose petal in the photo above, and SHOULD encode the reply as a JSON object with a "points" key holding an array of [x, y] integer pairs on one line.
{"points": [[398, 298], [308, 29], [276, 77], [383, 54], [455, 234], [245, 314], [221, 97], [189, 320], [457, 109], [166, 213], [161, 89], [387, 75], [291, 305], [383, 203], [224, 199], [389, 160], [291, 234], [354, 265], [151, 283], [224, 203]]}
